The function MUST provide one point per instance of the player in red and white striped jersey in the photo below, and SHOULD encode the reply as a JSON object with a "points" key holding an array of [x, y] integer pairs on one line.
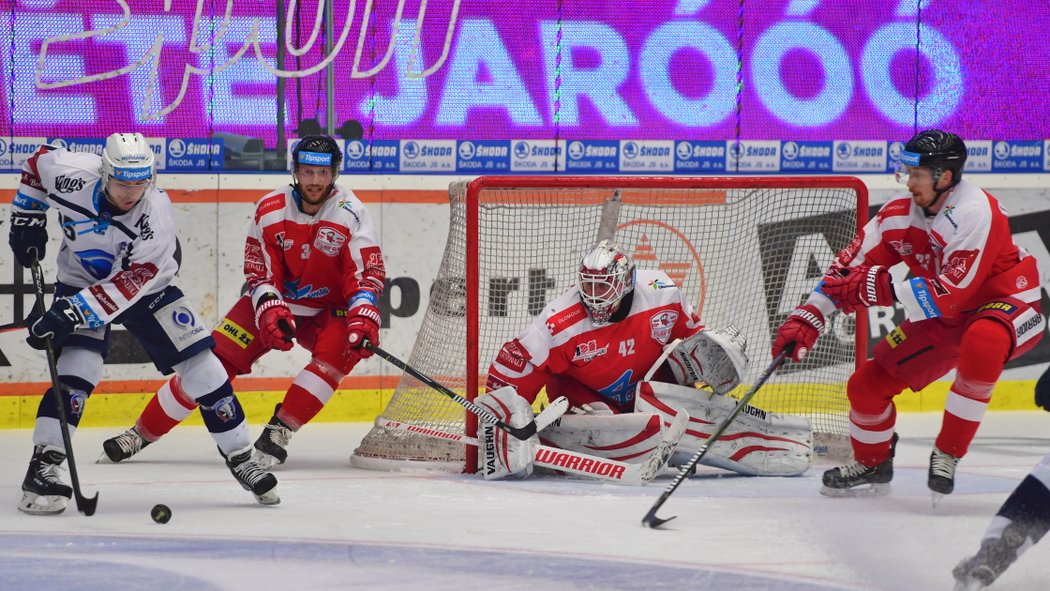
{"points": [[971, 304], [315, 273]]}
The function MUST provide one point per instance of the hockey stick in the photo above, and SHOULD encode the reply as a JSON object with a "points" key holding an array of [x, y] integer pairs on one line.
{"points": [[574, 462], [14, 326], [84, 504], [650, 519], [521, 433]]}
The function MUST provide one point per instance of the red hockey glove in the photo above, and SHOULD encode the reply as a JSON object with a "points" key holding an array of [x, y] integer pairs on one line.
{"points": [[362, 323], [861, 287], [276, 323], [802, 327]]}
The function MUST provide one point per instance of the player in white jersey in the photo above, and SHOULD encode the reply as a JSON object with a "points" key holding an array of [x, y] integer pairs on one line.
{"points": [[1022, 520], [608, 345], [118, 257]]}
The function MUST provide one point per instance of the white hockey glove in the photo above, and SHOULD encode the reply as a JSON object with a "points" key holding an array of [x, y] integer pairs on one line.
{"points": [[716, 358], [503, 455]]}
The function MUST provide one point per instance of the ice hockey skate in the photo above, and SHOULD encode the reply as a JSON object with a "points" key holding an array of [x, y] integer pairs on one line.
{"points": [[995, 555], [941, 479], [271, 446], [857, 480], [253, 477], [43, 492], [123, 446]]}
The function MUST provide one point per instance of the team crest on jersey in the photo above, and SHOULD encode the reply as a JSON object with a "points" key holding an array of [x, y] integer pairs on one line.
{"points": [[329, 241], [98, 263], [589, 350], [958, 265], [661, 325], [902, 247]]}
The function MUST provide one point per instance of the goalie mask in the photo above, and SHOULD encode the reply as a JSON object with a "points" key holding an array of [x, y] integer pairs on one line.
{"points": [[606, 275]]}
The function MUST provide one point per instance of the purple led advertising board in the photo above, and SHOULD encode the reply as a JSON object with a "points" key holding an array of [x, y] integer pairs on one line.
{"points": [[802, 70]]}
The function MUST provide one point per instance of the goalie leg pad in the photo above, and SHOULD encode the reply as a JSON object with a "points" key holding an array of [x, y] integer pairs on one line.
{"points": [[503, 455], [757, 443], [627, 438]]}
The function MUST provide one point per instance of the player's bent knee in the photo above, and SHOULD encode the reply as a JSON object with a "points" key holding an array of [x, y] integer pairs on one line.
{"points": [[201, 374], [328, 370]]}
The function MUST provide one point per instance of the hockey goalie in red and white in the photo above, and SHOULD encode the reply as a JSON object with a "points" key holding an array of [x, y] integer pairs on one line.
{"points": [[629, 353]]}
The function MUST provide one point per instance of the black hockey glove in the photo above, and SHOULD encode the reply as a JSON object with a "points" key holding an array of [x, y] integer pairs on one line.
{"points": [[28, 233], [58, 323], [1042, 391]]}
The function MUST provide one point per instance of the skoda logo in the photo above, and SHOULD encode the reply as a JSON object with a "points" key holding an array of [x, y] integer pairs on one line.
{"points": [[466, 150], [630, 150], [1002, 150], [790, 150], [684, 150], [843, 150], [411, 150], [177, 148], [355, 150]]}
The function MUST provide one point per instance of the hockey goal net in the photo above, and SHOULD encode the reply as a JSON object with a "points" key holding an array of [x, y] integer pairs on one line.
{"points": [[745, 250]]}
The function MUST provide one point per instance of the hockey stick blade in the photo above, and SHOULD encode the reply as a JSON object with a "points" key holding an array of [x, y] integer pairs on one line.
{"points": [[651, 520], [86, 505], [551, 413], [13, 326], [521, 433]]}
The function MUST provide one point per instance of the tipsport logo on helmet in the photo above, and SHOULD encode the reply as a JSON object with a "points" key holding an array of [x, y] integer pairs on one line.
{"points": [[132, 174], [315, 158]]}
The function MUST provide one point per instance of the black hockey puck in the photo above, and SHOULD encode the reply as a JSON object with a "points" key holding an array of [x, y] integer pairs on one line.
{"points": [[160, 513]]}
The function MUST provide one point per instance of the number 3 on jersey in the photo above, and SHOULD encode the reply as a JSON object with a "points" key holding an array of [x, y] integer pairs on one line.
{"points": [[626, 347]]}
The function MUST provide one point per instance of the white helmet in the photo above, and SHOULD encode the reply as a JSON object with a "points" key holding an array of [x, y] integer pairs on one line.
{"points": [[127, 157], [606, 275]]}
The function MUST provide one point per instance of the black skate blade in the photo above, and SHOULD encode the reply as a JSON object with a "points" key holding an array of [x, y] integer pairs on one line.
{"points": [[870, 491]]}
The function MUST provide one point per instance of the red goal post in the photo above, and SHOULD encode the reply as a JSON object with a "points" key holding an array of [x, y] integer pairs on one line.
{"points": [[745, 250]]}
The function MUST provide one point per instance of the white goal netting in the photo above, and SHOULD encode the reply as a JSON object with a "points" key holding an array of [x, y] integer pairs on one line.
{"points": [[745, 250]]}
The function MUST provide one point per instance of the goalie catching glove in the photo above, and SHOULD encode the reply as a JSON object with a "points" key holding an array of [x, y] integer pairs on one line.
{"points": [[502, 454], [716, 358]]}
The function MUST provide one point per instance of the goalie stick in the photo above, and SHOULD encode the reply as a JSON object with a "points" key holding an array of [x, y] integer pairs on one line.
{"points": [[86, 505], [650, 519], [574, 462], [521, 433]]}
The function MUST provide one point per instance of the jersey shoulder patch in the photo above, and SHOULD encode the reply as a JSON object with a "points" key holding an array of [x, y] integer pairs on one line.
{"points": [[273, 202]]}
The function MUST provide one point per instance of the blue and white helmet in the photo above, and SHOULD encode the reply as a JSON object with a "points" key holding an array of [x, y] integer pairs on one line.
{"points": [[127, 157], [605, 277]]}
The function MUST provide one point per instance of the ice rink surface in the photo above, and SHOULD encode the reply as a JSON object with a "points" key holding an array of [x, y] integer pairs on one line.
{"points": [[340, 527]]}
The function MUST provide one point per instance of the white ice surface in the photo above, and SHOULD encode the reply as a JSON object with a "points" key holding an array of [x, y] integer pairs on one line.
{"points": [[340, 527]]}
